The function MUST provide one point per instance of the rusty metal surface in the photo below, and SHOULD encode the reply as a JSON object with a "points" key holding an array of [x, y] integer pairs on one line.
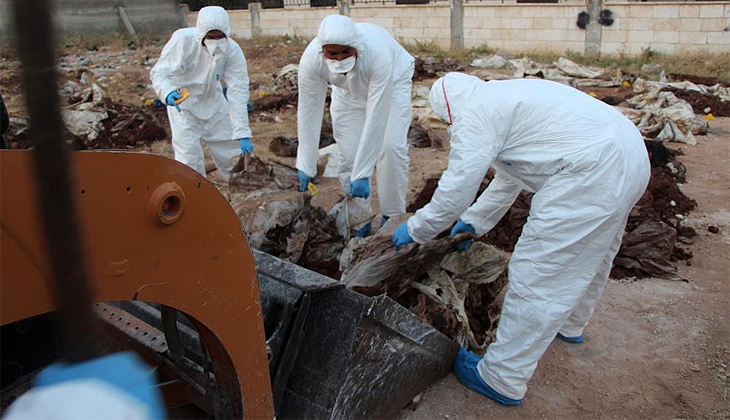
{"points": [[187, 252]]}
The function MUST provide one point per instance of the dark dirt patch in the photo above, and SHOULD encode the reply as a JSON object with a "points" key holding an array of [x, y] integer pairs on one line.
{"points": [[699, 80], [128, 127], [612, 96], [701, 101]]}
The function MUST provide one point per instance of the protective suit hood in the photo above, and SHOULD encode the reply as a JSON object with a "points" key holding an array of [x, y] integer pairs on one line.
{"points": [[450, 94], [212, 18], [339, 30]]}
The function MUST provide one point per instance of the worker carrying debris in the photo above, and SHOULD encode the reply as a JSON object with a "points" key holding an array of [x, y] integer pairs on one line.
{"points": [[586, 164], [370, 74], [193, 62]]}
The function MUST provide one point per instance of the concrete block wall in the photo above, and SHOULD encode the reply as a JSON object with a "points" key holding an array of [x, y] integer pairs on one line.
{"points": [[523, 27], [409, 23], [668, 27]]}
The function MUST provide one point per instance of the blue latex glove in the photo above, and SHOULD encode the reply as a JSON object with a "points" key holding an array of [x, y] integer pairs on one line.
{"points": [[246, 146], [363, 231], [125, 371], [465, 368], [360, 188], [463, 227], [170, 99], [304, 180], [401, 236], [575, 340]]}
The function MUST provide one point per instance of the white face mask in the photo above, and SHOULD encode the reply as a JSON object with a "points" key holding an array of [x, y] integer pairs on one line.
{"points": [[216, 46], [342, 66]]}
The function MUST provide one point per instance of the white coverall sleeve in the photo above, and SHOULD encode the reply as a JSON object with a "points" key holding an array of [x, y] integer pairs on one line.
{"points": [[171, 63], [380, 96], [492, 204], [469, 161], [236, 77], [310, 110]]}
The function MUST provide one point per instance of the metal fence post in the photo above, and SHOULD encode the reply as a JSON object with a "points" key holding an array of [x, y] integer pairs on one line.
{"points": [[344, 6], [457, 24], [255, 9], [594, 29]]}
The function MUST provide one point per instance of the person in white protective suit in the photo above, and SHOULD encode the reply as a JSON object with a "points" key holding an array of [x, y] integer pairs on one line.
{"points": [[370, 74], [198, 59], [586, 164]]}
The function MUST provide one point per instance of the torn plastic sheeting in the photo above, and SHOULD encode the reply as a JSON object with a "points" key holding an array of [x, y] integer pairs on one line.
{"points": [[252, 173], [673, 118], [576, 70], [286, 80], [648, 249], [351, 214], [493, 61], [428, 117], [85, 117], [263, 211]]}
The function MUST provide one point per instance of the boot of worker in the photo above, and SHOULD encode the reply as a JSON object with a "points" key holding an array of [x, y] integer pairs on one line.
{"points": [[465, 368]]}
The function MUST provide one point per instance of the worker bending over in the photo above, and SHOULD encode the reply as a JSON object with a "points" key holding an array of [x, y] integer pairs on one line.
{"points": [[370, 74], [586, 164], [196, 60]]}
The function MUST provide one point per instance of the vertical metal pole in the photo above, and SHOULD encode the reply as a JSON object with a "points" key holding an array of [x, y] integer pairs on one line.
{"points": [[36, 43]]}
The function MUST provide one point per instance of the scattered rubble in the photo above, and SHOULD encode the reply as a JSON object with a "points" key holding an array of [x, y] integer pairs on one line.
{"points": [[493, 61], [432, 68], [420, 135]]}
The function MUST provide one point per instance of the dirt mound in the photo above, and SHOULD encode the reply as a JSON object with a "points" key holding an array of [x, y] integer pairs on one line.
{"points": [[699, 80], [701, 101], [129, 127]]}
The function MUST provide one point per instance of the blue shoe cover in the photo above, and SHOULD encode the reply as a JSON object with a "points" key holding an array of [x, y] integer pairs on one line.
{"points": [[465, 368], [578, 339], [363, 231]]}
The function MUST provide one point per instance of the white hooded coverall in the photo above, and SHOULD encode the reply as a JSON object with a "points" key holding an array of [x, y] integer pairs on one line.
{"points": [[371, 108], [586, 164], [206, 115]]}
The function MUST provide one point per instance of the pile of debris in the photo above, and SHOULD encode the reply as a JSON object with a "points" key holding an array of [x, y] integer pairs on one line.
{"points": [[432, 67], [655, 225], [452, 290], [92, 121], [283, 92]]}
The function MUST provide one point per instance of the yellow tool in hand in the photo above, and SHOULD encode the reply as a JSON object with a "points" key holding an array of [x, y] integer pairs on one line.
{"points": [[312, 189], [184, 94]]}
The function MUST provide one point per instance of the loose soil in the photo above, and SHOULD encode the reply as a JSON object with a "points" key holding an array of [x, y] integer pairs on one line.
{"points": [[701, 101]]}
